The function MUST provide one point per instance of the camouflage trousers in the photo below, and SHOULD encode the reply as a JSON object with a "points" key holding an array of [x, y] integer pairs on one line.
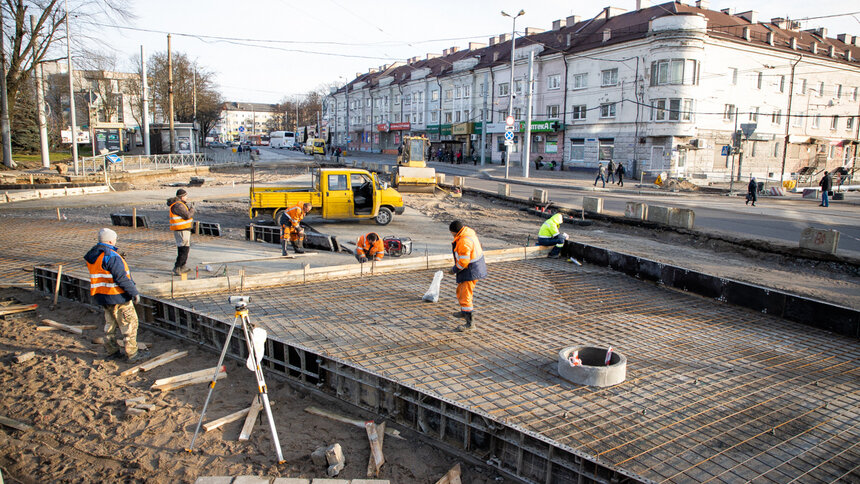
{"points": [[121, 318]]}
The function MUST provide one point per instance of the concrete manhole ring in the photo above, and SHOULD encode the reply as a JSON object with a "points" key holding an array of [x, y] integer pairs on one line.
{"points": [[593, 371]]}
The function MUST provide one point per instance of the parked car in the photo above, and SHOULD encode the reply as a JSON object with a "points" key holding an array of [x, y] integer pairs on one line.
{"points": [[296, 146], [217, 144]]}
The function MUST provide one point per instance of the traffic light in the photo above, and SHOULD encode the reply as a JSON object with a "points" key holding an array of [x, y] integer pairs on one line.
{"points": [[736, 139]]}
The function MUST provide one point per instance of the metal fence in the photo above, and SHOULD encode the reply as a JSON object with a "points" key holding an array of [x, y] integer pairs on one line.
{"points": [[130, 163]]}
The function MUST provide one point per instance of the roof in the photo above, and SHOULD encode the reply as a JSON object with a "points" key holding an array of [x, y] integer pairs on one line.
{"points": [[255, 107]]}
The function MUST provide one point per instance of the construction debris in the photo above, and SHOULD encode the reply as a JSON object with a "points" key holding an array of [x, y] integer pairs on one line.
{"points": [[353, 421], [452, 476], [228, 418], [159, 360], [376, 436], [70, 328], [14, 424], [166, 387], [25, 357], [335, 458], [251, 419], [19, 308], [64, 327], [206, 372]]}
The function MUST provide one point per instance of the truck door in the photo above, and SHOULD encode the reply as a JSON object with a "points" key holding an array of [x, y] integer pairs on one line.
{"points": [[337, 196]]}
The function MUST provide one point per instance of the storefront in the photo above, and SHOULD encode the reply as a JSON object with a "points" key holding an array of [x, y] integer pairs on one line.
{"points": [[390, 136], [547, 140]]}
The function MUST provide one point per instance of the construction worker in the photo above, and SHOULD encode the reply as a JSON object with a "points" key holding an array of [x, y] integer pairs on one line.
{"points": [[181, 221], [369, 246], [290, 222], [114, 290], [550, 235], [469, 266]]}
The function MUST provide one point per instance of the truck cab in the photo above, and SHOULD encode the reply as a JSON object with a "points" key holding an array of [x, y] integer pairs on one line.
{"points": [[314, 146]]}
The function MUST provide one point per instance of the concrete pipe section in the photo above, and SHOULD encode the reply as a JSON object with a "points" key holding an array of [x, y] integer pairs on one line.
{"points": [[593, 370]]}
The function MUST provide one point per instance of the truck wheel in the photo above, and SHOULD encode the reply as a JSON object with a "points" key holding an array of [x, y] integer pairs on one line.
{"points": [[384, 216], [277, 215]]}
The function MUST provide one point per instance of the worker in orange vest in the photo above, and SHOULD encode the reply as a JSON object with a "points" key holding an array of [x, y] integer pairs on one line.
{"points": [[290, 222], [181, 221], [369, 247], [469, 266], [114, 290]]}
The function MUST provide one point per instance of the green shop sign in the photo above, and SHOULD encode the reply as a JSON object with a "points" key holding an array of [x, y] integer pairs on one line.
{"points": [[442, 129], [547, 126]]}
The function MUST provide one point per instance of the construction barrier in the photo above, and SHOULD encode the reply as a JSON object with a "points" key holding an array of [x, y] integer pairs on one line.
{"points": [[820, 240], [636, 210], [592, 204]]}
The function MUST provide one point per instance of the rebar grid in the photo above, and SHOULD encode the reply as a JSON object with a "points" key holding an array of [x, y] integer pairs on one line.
{"points": [[713, 393]]}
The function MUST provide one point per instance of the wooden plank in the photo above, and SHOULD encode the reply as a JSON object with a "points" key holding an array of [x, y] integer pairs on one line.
{"points": [[19, 308], [149, 365], [184, 383], [372, 468], [133, 402], [14, 423], [352, 421], [226, 419], [64, 327], [59, 277], [77, 326], [134, 369], [452, 476], [24, 357], [188, 376], [251, 419]]}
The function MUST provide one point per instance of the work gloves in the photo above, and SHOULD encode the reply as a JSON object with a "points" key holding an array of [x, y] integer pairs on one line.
{"points": [[137, 299], [362, 259]]}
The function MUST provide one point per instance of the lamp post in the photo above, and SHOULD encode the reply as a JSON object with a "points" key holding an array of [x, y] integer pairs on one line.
{"points": [[511, 85]]}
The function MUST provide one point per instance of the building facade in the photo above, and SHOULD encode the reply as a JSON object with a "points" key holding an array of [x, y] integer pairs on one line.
{"points": [[239, 119], [660, 89]]}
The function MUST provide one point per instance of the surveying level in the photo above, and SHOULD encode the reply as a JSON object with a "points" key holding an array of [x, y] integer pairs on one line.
{"points": [[240, 303]]}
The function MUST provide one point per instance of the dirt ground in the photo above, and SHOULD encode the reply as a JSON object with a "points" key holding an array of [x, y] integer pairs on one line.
{"points": [[75, 401]]}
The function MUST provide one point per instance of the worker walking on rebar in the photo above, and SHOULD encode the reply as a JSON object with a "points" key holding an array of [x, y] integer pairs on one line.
{"points": [[114, 290], [469, 266], [291, 227], [369, 247], [550, 234], [181, 221]]}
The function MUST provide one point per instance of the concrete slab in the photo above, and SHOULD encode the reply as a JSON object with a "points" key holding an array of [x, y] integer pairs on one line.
{"points": [[540, 196], [636, 210], [682, 217], [658, 214], [592, 204], [251, 480], [821, 240], [291, 480], [370, 481], [328, 480], [214, 480]]}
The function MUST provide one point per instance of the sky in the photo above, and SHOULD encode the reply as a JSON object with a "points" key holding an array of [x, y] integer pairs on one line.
{"points": [[278, 49]]}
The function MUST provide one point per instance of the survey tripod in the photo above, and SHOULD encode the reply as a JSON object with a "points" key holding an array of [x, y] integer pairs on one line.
{"points": [[240, 303]]}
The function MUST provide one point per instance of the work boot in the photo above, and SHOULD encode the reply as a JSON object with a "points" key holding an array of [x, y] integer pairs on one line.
{"points": [[468, 326], [184, 270], [459, 314], [116, 355], [139, 356], [177, 271], [298, 247]]}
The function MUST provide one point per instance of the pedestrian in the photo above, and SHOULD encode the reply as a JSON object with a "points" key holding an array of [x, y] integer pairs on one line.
{"points": [[620, 171], [826, 185], [460, 156], [181, 221], [439, 154], [601, 174], [472, 155], [115, 291], [610, 172], [337, 152], [550, 234], [538, 162], [469, 266], [291, 227], [752, 188], [369, 247]]}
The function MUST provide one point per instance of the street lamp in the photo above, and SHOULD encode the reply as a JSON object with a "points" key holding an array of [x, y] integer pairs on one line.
{"points": [[511, 85]]}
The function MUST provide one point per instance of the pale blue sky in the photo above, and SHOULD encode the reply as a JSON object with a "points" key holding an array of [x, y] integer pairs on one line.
{"points": [[382, 31]]}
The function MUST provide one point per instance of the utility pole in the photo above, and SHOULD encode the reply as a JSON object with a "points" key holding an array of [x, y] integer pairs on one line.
{"points": [[484, 118], [145, 101], [528, 135], [40, 101], [4, 111], [72, 121], [788, 120], [170, 96], [195, 134], [511, 85], [732, 172]]}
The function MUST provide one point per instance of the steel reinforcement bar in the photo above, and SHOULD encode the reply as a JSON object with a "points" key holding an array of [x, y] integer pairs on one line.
{"points": [[517, 452]]}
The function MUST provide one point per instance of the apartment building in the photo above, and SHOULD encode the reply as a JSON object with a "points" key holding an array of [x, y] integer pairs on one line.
{"points": [[660, 89], [253, 118]]}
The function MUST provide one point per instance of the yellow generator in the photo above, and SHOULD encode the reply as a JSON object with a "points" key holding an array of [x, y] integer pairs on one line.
{"points": [[411, 173]]}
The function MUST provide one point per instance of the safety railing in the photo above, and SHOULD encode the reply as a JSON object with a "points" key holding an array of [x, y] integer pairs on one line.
{"points": [[128, 163]]}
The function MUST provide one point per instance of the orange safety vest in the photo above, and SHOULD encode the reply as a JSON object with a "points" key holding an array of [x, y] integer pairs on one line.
{"points": [[101, 280], [467, 248], [294, 214], [376, 250], [177, 222]]}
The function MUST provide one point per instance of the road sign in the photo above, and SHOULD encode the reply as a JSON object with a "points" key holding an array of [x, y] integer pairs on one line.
{"points": [[241, 129], [509, 136], [509, 121], [114, 158], [748, 129], [725, 151], [509, 142]]}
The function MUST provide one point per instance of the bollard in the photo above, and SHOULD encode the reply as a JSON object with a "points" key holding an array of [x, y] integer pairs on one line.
{"points": [[540, 196], [592, 204], [681, 217], [504, 190], [658, 214], [636, 210], [820, 240]]}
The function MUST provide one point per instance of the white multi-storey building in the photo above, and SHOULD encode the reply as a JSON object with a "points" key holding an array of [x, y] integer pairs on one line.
{"points": [[661, 88], [253, 118]]}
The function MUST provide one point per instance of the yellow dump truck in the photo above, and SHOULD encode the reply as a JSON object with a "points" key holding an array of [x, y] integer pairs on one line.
{"points": [[336, 193]]}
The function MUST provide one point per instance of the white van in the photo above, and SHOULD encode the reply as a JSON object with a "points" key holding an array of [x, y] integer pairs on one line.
{"points": [[281, 139]]}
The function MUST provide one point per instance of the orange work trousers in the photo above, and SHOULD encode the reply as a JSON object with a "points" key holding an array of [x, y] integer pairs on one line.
{"points": [[464, 295]]}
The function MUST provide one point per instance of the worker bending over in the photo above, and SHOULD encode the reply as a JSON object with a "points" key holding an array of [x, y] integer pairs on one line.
{"points": [[469, 266], [369, 247], [290, 222], [180, 223], [114, 290], [550, 235]]}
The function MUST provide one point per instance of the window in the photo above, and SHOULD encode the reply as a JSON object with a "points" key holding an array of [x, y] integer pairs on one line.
{"points": [[776, 117], [518, 113], [734, 72], [820, 88], [776, 149], [781, 83], [609, 77], [607, 110], [759, 80], [796, 121], [553, 82], [448, 117], [854, 96], [337, 183], [578, 112], [420, 118], [397, 99], [729, 112], [849, 123], [434, 116], [367, 119], [457, 117], [839, 91], [518, 86], [551, 145], [369, 101], [458, 92], [834, 122], [449, 94], [580, 81], [385, 100], [803, 86], [467, 91], [552, 111], [682, 158], [673, 71], [816, 121], [418, 96], [606, 148], [434, 95], [504, 89], [754, 114], [577, 149], [674, 110], [658, 109]]}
